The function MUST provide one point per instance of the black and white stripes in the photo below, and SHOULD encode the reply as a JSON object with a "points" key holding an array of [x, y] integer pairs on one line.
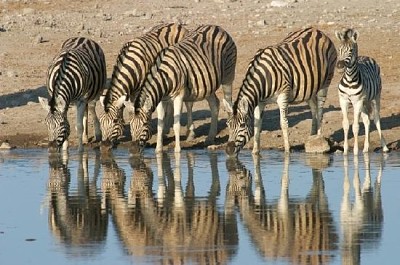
{"points": [[133, 62], [298, 69], [191, 70], [76, 75], [361, 86]]}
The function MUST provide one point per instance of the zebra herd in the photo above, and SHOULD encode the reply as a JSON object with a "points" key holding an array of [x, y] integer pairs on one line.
{"points": [[171, 65]]}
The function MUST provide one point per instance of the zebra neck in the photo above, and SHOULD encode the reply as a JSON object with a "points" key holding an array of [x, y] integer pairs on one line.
{"points": [[250, 103], [59, 102], [352, 74]]}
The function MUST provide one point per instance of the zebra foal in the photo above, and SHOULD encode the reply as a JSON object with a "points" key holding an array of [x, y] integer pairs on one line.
{"points": [[76, 75], [189, 71], [298, 69], [133, 62], [360, 85]]}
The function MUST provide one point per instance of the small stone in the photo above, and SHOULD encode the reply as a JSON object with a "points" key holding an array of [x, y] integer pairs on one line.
{"points": [[39, 39], [279, 4], [317, 144], [6, 146]]}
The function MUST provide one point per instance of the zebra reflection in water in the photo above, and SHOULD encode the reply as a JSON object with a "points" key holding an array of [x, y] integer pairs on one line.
{"points": [[172, 222], [76, 218], [362, 219], [299, 230]]}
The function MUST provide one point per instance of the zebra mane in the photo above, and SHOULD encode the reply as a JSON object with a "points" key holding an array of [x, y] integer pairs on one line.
{"points": [[60, 75]]}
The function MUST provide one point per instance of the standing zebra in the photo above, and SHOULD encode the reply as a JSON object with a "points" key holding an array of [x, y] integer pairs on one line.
{"points": [[76, 75], [133, 62], [298, 69], [361, 86], [191, 70]]}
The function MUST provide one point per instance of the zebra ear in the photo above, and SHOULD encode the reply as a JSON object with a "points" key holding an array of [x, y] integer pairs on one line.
{"points": [[228, 107], [44, 103], [243, 106], [120, 102], [147, 105], [339, 35], [101, 99], [354, 35], [129, 105]]}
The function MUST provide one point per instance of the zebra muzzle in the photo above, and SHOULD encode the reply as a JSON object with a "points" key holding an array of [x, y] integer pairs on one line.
{"points": [[106, 146], [231, 149], [53, 147], [340, 65], [136, 148]]}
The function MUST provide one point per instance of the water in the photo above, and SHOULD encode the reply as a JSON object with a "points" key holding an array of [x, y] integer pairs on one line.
{"points": [[198, 208]]}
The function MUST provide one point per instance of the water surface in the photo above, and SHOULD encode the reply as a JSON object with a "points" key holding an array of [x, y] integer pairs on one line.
{"points": [[198, 207]]}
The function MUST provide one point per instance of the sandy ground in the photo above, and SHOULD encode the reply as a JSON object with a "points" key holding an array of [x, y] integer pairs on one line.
{"points": [[31, 33]]}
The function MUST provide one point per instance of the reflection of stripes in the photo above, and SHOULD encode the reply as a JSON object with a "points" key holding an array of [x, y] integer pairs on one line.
{"points": [[133, 62], [361, 86], [191, 70], [298, 69]]}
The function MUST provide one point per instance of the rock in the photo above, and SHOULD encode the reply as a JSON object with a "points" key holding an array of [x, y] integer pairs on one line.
{"points": [[279, 4], [6, 146], [317, 144]]}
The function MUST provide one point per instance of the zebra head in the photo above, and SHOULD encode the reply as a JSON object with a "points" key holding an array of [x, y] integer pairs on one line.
{"points": [[112, 122], [140, 127], [348, 49], [57, 124], [239, 126]]}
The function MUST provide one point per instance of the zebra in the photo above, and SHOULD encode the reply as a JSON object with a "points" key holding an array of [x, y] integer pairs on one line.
{"points": [[76, 75], [133, 62], [191, 70], [298, 69], [361, 86]]}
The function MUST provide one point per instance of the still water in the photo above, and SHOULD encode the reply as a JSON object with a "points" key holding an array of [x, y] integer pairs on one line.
{"points": [[198, 208]]}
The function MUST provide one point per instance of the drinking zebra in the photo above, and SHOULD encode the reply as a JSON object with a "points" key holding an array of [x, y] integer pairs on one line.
{"points": [[191, 70], [133, 62], [76, 75], [298, 69], [361, 86]]}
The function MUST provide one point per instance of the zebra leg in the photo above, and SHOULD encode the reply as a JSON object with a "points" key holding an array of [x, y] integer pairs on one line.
{"points": [[169, 117], [81, 120], [344, 105], [258, 115], [161, 108], [97, 130], [314, 113], [365, 118], [283, 108], [178, 102], [377, 120], [356, 123], [213, 102], [190, 126], [321, 98]]}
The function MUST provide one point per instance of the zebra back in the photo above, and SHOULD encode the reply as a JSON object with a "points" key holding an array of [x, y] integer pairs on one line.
{"points": [[204, 60], [135, 59], [303, 62], [78, 72]]}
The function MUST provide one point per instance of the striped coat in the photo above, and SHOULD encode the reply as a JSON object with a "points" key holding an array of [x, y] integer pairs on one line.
{"points": [[76, 75], [298, 69], [191, 70]]}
